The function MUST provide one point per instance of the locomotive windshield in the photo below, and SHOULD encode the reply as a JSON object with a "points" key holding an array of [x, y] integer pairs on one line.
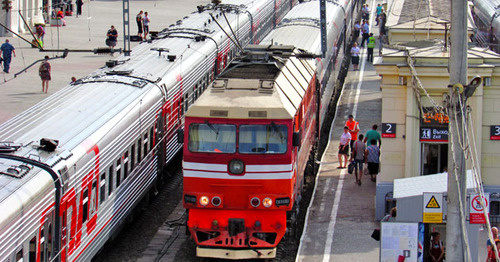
{"points": [[214, 138], [263, 139]]}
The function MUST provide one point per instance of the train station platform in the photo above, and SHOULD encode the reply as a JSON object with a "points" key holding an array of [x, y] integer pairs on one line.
{"points": [[88, 31], [341, 216]]}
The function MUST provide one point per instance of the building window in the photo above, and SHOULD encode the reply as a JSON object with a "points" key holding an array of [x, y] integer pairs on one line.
{"points": [[495, 209]]}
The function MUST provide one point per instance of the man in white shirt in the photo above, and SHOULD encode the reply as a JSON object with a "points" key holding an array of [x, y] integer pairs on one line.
{"points": [[345, 139]]}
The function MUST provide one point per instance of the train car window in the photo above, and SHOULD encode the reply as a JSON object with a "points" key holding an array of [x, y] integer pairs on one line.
{"points": [[110, 185], [32, 253], [263, 139], [146, 144], [195, 92], [85, 205], [186, 102], [125, 165], [151, 137], [118, 172], [212, 138], [103, 188], [132, 157], [49, 243], [182, 106], [139, 151], [19, 256], [43, 245], [93, 198]]}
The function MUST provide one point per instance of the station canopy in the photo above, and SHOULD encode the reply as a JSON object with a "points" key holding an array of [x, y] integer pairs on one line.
{"points": [[416, 186]]}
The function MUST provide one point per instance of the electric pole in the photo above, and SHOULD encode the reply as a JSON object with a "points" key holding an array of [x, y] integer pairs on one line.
{"points": [[456, 160]]}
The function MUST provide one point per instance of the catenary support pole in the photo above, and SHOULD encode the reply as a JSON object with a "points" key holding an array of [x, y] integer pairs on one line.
{"points": [[456, 160]]}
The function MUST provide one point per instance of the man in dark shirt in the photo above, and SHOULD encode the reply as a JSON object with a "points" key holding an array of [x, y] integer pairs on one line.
{"points": [[7, 51], [139, 19]]}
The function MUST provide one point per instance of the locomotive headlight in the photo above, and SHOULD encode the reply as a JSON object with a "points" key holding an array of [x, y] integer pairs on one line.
{"points": [[216, 201], [236, 166], [267, 202], [204, 201], [255, 202]]}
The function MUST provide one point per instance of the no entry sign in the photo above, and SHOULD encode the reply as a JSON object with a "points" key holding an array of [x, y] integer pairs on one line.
{"points": [[476, 213]]}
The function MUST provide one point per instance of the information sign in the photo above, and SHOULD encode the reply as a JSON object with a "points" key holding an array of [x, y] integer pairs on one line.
{"points": [[476, 214], [432, 208], [389, 130], [399, 242], [433, 126], [495, 132]]}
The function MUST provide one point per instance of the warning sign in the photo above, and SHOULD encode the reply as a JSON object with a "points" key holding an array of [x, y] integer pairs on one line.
{"points": [[432, 208], [432, 203], [476, 213]]}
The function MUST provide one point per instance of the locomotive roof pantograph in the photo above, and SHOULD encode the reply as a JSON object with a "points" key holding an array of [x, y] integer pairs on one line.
{"points": [[273, 87]]}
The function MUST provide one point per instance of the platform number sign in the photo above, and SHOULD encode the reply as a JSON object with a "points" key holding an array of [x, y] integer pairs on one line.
{"points": [[389, 130], [495, 132]]}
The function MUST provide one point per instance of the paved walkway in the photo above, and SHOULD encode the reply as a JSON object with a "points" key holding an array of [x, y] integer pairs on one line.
{"points": [[341, 217], [88, 31]]}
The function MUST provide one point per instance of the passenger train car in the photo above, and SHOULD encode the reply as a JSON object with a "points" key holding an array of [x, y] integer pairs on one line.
{"points": [[487, 18], [248, 138], [76, 164]]}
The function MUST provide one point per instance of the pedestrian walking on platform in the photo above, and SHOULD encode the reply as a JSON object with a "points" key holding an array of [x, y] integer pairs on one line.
{"points": [[138, 20], [379, 10], [353, 130], [44, 73], [365, 12], [494, 232], [7, 51], [373, 135], [365, 29], [358, 156], [79, 4], [370, 45], [373, 159], [345, 138], [381, 22], [146, 22], [382, 39], [355, 56], [357, 29]]}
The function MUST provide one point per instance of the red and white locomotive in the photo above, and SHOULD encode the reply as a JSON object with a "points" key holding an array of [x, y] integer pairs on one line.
{"points": [[111, 134], [247, 139]]}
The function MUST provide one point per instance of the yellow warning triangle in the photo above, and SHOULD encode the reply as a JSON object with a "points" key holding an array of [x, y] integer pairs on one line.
{"points": [[432, 203]]}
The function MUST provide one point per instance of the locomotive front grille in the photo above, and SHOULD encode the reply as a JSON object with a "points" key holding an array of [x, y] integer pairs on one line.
{"points": [[235, 226]]}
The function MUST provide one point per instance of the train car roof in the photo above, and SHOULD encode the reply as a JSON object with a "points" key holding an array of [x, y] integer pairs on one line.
{"points": [[301, 26], [256, 90]]}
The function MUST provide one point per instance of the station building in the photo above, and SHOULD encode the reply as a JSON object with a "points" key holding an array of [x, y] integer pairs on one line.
{"points": [[415, 140], [17, 14]]}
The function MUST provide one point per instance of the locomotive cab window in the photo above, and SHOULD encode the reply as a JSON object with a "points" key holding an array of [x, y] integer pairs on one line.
{"points": [[263, 139], [212, 138]]}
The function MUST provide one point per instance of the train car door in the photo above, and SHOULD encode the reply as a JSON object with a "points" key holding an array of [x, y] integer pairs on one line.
{"points": [[68, 224], [159, 138]]}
